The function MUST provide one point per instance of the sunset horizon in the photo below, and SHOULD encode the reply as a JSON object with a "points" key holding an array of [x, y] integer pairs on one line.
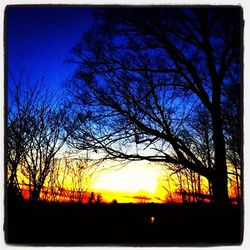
{"points": [[123, 125]]}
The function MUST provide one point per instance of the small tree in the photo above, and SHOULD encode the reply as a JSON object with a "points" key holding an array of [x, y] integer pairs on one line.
{"points": [[36, 132], [91, 198], [99, 199], [20, 109], [233, 130], [114, 201]]}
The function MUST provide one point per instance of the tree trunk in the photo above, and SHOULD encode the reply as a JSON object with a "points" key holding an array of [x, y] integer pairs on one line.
{"points": [[12, 184], [219, 188], [35, 193], [219, 179], [237, 177]]}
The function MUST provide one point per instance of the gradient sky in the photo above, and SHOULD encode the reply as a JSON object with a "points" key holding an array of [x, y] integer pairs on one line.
{"points": [[39, 41]]}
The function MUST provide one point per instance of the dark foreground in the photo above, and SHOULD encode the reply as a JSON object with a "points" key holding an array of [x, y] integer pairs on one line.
{"points": [[122, 224]]}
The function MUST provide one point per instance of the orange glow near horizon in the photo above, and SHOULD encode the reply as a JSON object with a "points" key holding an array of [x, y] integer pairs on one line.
{"points": [[137, 182]]}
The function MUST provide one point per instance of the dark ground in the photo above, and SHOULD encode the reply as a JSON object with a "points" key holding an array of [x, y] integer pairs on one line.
{"points": [[122, 224]]}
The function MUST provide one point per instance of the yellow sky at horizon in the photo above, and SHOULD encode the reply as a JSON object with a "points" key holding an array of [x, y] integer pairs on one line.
{"points": [[126, 197], [134, 179], [115, 181], [129, 183]]}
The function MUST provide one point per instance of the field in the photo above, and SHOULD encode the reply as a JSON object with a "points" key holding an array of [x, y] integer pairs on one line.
{"points": [[122, 224]]}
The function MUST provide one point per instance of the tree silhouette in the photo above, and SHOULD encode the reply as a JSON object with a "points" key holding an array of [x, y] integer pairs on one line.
{"points": [[36, 132], [91, 198], [18, 120], [144, 72], [99, 199], [233, 129], [114, 201]]}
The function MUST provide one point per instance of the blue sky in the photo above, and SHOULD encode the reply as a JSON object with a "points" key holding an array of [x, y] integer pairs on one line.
{"points": [[39, 41]]}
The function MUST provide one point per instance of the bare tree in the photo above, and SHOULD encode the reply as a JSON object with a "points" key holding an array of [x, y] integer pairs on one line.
{"points": [[80, 171], [99, 199], [21, 105], [56, 180], [199, 137], [36, 132], [91, 198], [47, 139], [143, 72], [233, 130]]}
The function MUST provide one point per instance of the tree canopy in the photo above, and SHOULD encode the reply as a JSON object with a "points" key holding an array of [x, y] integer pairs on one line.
{"points": [[149, 78]]}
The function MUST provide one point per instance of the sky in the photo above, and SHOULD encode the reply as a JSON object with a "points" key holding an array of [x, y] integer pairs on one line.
{"points": [[135, 179], [39, 41]]}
